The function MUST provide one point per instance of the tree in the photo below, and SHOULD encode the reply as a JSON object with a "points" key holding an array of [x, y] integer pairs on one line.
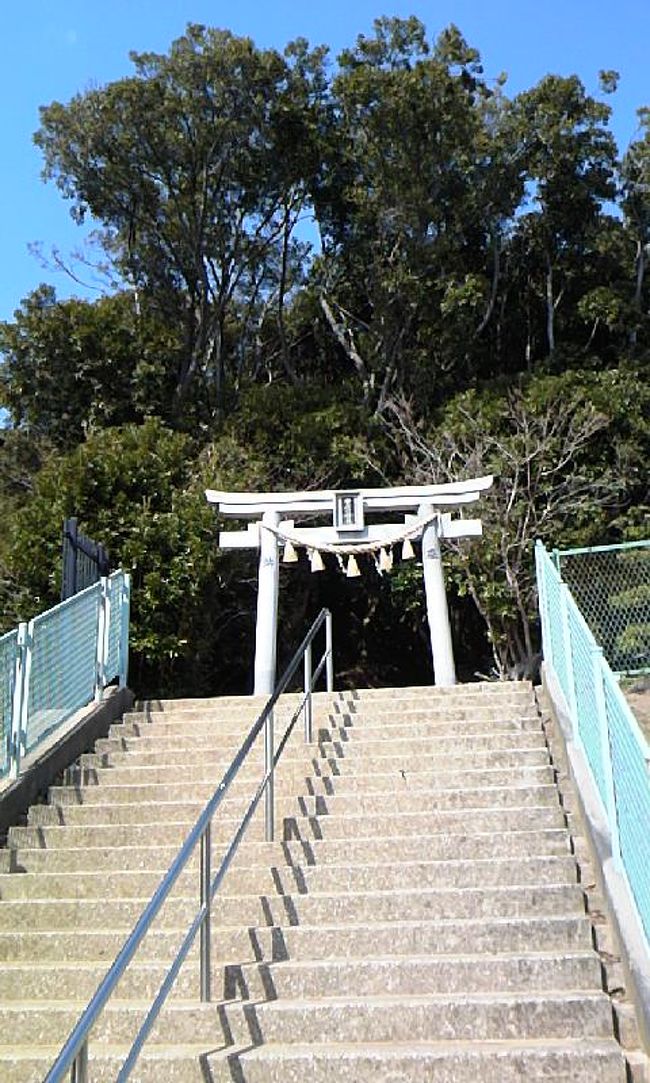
{"points": [[194, 167], [136, 489], [69, 367], [414, 191], [635, 176], [541, 441], [570, 160]]}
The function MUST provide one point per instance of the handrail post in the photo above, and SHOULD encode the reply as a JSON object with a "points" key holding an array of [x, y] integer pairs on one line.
{"points": [[329, 665], [605, 751], [308, 686], [269, 771], [79, 1071], [206, 901]]}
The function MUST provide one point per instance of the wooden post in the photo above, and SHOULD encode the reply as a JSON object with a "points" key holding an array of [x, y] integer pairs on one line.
{"points": [[266, 628], [437, 611]]}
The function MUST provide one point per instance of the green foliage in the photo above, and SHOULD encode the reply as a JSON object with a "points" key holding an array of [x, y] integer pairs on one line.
{"points": [[71, 367], [135, 489], [195, 167]]}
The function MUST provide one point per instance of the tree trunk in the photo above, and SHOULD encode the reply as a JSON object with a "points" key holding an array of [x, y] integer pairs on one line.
{"points": [[550, 309]]}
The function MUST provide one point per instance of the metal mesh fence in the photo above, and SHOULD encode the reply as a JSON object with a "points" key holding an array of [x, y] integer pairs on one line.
{"points": [[8, 646], [631, 794], [64, 658], [611, 585], [63, 664], [604, 725]]}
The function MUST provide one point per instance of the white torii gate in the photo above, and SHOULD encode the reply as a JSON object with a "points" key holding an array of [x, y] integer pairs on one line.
{"points": [[424, 518]]}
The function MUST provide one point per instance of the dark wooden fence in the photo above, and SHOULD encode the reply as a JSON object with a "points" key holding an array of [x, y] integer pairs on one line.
{"points": [[84, 560]]}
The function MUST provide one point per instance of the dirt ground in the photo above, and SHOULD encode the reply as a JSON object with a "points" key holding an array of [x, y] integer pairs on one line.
{"points": [[637, 693]]}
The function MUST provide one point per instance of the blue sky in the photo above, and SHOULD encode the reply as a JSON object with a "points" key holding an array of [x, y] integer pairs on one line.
{"points": [[52, 49]]}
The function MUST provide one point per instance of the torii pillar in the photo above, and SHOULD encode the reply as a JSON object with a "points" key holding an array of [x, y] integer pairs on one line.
{"points": [[268, 584], [442, 649]]}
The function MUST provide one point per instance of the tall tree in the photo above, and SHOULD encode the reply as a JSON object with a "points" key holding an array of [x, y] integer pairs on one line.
{"points": [[570, 160], [635, 177], [193, 166], [414, 191]]}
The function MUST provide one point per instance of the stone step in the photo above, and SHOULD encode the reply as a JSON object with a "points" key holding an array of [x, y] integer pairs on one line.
{"points": [[274, 909], [559, 1061], [291, 879], [102, 791], [188, 1021], [550, 1061], [374, 697], [369, 744], [333, 727], [492, 1016], [450, 846], [471, 688], [298, 827], [240, 945], [406, 800], [210, 768], [331, 757], [397, 728], [385, 1018], [414, 975], [461, 719]]}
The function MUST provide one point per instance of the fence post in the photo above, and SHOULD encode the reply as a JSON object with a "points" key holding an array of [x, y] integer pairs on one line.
{"points": [[103, 617], [307, 685], [21, 746], [19, 690], [605, 751], [69, 576], [570, 690], [540, 553], [125, 611], [329, 665]]}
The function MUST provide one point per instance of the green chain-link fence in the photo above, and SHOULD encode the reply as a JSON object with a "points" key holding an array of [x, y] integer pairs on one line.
{"points": [[611, 584]]}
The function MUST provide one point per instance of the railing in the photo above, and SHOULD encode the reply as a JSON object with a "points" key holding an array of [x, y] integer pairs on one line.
{"points": [[73, 1057], [611, 586], [84, 561], [603, 725], [60, 661]]}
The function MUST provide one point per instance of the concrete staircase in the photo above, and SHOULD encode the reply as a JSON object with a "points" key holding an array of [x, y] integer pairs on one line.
{"points": [[421, 919]]}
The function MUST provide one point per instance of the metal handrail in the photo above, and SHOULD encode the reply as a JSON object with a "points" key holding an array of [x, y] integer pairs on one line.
{"points": [[74, 1054]]}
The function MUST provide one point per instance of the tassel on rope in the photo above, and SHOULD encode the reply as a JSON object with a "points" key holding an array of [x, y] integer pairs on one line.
{"points": [[385, 561], [407, 550], [316, 561], [353, 568], [290, 554]]}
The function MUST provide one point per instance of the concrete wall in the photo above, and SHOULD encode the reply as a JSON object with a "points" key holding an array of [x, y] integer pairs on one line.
{"points": [[40, 769]]}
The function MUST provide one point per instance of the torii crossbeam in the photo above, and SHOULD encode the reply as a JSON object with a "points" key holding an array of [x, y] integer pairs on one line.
{"points": [[425, 516]]}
